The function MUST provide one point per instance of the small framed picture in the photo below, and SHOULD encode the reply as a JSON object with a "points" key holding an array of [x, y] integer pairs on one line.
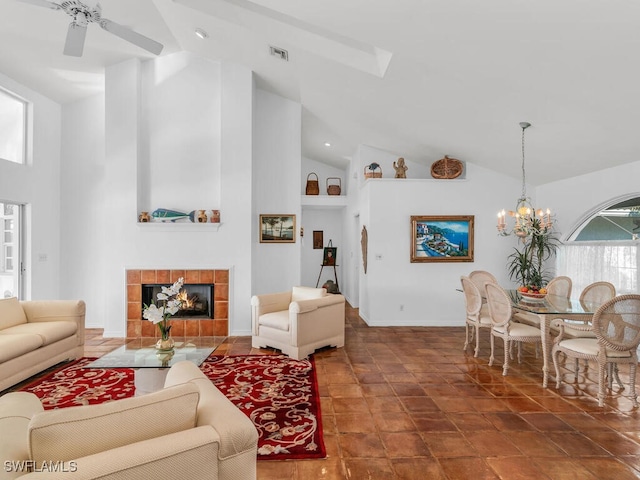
{"points": [[441, 238], [317, 239], [277, 228], [329, 256]]}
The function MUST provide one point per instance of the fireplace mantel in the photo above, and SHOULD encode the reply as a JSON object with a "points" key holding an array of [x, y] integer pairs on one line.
{"points": [[202, 327]]}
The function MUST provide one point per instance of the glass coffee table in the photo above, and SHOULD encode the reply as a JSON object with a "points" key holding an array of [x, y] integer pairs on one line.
{"points": [[151, 365]]}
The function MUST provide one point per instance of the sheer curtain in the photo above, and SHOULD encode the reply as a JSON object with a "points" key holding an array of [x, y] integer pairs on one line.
{"points": [[588, 262]]}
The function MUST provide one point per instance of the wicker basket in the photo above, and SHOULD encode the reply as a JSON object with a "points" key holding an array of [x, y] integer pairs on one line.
{"points": [[373, 171], [313, 187], [334, 189], [446, 168]]}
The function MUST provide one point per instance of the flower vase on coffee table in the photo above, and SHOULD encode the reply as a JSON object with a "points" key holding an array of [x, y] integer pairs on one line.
{"points": [[168, 304]]}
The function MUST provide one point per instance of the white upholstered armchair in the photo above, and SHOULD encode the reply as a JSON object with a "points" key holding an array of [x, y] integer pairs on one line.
{"points": [[298, 321]]}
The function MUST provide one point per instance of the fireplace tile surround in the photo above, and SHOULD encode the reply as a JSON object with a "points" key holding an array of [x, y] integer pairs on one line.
{"points": [[202, 327]]}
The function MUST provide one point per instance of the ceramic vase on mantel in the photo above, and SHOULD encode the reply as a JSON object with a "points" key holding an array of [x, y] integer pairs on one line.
{"points": [[202, 216]]}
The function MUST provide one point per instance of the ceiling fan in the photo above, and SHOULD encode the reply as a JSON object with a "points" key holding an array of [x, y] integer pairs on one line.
{"points": [[91, 12]]}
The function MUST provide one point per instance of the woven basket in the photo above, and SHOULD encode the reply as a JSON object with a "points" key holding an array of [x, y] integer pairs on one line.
{"points": [[334, 189], [373, 171], [313, 187], [446, 168]]}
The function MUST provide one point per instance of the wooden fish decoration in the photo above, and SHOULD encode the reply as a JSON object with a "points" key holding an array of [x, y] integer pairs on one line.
{"points": [[165, 215]]}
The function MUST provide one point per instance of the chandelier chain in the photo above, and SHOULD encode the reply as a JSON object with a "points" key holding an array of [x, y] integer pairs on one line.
{"points": [[524, 181], [528, 220]]}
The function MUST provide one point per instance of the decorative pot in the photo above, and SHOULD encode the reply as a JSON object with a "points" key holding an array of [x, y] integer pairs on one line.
{"points": [[165, 344], [202, 216], [144, 217], [215, 216]]}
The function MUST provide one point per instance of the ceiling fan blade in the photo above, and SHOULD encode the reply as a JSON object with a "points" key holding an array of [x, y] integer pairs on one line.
{"points": [[42, 3], [75, 40], [131, 36]]}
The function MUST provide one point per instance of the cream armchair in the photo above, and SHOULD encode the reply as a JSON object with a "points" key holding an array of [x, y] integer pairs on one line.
{"points": [[297, 322], [189, 429]]}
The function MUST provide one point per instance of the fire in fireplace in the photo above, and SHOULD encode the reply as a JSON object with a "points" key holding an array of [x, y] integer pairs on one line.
{"points": [[197, 300]]}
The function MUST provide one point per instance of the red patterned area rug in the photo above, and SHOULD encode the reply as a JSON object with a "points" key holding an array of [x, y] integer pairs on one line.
{"points": [[278, 394]]}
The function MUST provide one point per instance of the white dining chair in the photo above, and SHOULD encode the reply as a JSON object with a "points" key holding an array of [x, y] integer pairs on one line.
{"points": [[616, 325], [503, 326], [475, 319]]}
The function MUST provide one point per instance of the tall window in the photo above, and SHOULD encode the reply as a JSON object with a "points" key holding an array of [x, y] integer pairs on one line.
{"points": [[605, 248], [10, 261], [13, 122]]}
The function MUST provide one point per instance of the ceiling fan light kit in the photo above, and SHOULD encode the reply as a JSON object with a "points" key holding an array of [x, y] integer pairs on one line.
{"points": [[91, 12]]}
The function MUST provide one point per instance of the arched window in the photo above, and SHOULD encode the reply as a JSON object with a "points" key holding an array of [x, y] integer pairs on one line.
{"points": [[604, 247], [620, 221]]}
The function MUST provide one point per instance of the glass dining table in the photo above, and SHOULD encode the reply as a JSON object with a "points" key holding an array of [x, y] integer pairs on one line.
{"points": [[549, 308]]}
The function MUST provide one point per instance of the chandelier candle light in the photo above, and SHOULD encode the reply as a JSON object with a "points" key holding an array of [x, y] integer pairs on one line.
{"points": [[529, 221], [170, 304]]}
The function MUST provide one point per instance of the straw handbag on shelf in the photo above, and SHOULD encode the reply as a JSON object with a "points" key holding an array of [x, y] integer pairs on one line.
{"points": [[333, 189], [313, 187]]}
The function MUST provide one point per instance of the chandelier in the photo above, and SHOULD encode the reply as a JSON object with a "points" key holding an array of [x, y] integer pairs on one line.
{"points": [[528, 220]]}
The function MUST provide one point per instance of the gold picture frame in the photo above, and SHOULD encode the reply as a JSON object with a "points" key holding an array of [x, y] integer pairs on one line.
{"points": [[443, 238], [277, 228]]}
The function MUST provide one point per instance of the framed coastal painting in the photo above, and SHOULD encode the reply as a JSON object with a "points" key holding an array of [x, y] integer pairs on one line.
{"points": [[441, 238], [277, 228]]}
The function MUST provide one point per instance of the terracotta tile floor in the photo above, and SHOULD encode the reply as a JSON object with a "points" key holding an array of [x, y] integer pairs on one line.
{"points": [[408, 403]]}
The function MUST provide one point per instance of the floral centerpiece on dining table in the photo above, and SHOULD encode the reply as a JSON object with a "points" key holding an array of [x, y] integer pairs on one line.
{"points": [[160, 313]]}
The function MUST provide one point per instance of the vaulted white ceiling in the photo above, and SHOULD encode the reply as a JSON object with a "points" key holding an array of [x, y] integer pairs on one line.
{"points": [[418, 78]]}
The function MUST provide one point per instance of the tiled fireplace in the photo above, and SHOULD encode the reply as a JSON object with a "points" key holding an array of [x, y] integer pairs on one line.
{"points": [[191, 327]]}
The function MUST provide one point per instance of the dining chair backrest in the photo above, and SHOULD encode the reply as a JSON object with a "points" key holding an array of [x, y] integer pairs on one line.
{"points": [[560, 286], [597, 293], [480, 277], [617, 323], [499, 304], [472, 296]]}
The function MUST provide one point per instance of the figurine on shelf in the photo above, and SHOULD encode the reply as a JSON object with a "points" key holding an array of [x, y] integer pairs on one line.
{"points": [[400, 168]]}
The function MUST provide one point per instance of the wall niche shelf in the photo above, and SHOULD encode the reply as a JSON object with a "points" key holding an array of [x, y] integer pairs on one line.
{"points": [[179, 226]]}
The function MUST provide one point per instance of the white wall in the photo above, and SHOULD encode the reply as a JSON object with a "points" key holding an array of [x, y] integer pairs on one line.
{"points": [[37, 185], [180, 134], [84, 204], [110, 188], [86, 210], [276, 189], [427, 291]]}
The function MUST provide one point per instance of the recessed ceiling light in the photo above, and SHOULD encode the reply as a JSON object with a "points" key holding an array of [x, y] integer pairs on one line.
{"points": [[200, 33], [327, 144]]}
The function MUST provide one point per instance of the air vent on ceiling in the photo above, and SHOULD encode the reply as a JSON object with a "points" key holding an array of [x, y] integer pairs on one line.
{"points": [[280, 53]]}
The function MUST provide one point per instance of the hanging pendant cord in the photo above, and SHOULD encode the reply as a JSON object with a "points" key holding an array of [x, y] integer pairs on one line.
{"points": [[524, 183]]}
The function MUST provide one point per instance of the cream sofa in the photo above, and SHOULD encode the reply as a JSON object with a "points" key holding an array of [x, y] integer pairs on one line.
{"points": [[298, 321], [35, 335], [189, 430]]}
